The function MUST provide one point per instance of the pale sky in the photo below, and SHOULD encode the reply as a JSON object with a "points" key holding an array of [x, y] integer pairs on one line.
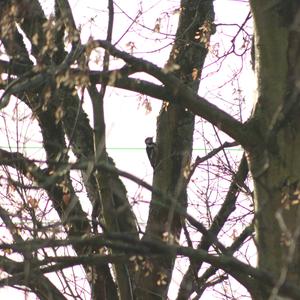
{"points": [[127, 121]]}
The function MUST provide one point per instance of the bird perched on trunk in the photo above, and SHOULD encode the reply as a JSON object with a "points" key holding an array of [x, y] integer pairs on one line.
{"points": [[151, 149]]}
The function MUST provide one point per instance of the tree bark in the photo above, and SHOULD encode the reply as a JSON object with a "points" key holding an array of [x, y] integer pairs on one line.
{"points": [[175, 128], [274, 162]]}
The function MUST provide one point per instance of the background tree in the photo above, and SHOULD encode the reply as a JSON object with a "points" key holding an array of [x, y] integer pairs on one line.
{"points": [[48, 228]]}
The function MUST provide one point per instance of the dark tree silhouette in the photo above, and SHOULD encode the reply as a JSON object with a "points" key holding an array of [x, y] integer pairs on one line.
{"points": [[47, 74]]}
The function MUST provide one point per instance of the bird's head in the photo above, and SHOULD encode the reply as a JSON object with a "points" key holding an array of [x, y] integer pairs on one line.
{"points": [[149, 140]]}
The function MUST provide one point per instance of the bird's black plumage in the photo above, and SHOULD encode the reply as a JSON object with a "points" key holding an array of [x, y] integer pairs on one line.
{"points": [[151, 149]]}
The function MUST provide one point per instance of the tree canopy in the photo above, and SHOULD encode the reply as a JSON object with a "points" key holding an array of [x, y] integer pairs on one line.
{"points": [[218, 214]]}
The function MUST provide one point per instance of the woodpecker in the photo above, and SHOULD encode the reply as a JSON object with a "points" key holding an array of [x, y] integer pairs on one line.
{"points": [[151, 149]]}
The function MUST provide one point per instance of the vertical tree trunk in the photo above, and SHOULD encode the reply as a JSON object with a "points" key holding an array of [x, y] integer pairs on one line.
{"points": [[275, 163], [175, 128]]}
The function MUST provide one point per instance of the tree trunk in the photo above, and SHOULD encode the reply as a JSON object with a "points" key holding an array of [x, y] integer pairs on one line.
{"points": [[274, 162], [175, 128]]}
